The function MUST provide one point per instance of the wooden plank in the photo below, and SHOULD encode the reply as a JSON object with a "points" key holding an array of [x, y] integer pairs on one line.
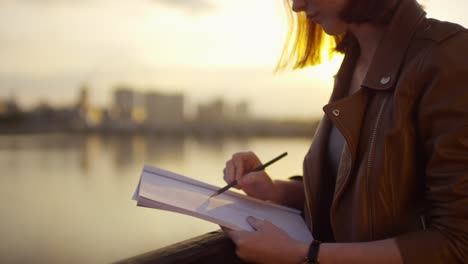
{"points": [[211, 248]]}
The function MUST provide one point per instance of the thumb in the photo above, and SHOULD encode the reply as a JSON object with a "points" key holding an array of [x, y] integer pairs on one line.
{"points": [[256, 223]]}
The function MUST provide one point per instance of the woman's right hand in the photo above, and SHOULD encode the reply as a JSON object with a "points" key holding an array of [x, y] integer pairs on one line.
{"points": [[257, 184]]}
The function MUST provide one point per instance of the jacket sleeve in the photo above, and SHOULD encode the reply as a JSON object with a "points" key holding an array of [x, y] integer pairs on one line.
{"points": [[442, 120]]}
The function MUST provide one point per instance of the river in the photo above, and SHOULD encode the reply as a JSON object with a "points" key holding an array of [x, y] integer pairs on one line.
{"points": [[67, 198]]}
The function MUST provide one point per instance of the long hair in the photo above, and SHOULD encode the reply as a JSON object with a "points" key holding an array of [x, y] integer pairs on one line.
{"points": [[307, 43]]}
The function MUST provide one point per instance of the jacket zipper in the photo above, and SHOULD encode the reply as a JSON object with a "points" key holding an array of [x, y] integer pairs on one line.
{"points": [[369, 167]]}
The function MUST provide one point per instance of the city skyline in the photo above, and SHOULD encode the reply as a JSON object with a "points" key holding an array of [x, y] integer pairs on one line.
{"points": [[132, 111], [128, 101]]}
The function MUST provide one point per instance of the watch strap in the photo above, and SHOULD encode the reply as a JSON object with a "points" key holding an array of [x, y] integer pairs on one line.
{"points": [[312, 255]]}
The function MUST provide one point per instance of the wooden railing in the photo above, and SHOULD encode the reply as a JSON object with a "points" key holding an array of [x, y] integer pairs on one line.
{"points": [[211, 248]]}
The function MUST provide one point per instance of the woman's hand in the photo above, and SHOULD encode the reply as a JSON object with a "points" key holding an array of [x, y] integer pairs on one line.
{"points": [[257, 184], [268, 244]]}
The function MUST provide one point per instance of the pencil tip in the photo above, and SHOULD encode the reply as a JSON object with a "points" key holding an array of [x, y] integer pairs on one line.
{"points": [[213, 195]]}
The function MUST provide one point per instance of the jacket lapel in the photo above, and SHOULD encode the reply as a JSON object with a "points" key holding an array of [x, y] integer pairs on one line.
{"points": [[348, 114]]}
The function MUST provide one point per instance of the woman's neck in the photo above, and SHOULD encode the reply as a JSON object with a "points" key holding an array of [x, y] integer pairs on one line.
{"points": [[369, 37]]}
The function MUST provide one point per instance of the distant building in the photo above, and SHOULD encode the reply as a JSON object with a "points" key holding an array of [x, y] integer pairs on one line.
{"points": [[219, 111], [83, 104], [164, 111], [212, 112], [11, 106], [124, 105], [82, 109], [105, 120], [241, 111], [10, 111], [3, 108]]}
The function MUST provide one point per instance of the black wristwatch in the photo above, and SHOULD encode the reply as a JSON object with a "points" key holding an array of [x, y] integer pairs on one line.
{"points": [[312, 255]]}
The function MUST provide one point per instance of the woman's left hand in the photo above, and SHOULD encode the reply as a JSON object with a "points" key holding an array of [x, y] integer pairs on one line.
{"points": [[268, 244]]}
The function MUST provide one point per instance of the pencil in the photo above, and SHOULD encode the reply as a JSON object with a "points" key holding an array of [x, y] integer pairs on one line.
{"points": [[259, 168]]}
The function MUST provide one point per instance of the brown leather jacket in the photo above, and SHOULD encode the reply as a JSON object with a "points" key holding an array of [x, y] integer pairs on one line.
{"points": [[404, 167]]}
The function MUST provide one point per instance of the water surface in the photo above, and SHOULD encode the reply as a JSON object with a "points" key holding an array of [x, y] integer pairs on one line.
{"points": [[67, 198]]}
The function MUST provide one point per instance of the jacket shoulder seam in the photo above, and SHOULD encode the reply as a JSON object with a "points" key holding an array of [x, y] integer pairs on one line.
{"points": [[438, 31]]}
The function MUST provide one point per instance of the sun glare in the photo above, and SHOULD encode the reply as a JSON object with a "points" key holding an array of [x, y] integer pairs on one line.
{"points": [[232, 35]]}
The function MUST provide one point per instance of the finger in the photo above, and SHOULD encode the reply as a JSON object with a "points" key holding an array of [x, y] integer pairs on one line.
{"points": [[225, 173], [239, 165], [256, 223], [251, 178], [230, 171], [236, 235]]}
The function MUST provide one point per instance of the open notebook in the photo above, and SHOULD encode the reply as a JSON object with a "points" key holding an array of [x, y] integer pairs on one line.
{"points": [[169, 191]]}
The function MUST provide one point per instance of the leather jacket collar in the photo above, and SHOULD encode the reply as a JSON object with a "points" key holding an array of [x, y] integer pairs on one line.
{"points": [[390, 54]]}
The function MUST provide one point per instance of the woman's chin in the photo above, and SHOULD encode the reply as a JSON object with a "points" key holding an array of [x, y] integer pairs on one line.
{"points": [[333, 30]]}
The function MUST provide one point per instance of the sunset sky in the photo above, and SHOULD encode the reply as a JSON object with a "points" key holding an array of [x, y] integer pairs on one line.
{"points": [[203, 48]]}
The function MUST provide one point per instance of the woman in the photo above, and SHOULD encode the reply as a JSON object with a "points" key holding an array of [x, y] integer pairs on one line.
{"points": [[386, 178]]}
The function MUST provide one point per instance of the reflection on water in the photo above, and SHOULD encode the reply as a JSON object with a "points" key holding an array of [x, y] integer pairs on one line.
{"points": [[66, 198], [130, 148]]}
